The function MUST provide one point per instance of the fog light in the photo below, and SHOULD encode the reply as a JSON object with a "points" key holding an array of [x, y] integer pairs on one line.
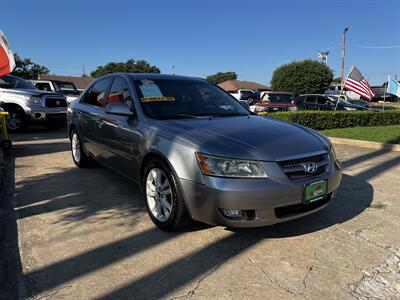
{"points": [[234, 213]]}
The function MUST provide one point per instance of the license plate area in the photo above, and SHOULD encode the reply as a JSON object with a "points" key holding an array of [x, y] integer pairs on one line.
{"points": [[315, 191]]}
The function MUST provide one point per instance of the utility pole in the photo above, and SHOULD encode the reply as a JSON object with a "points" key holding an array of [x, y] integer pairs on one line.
{"points": [[343, 52]]}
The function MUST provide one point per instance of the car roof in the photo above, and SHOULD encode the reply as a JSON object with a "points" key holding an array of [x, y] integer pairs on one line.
{"points": [[325, 95], [139, 76], [284, 93]]}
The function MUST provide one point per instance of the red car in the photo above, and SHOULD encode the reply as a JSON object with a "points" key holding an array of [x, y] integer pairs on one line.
{"points": [[275, 101]]}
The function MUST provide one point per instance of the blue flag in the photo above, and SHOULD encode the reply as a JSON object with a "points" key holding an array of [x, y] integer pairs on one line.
{"points": [[393, 86]]}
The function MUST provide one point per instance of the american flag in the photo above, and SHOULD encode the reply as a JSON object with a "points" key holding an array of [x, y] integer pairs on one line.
{"points": [[358, 84]]}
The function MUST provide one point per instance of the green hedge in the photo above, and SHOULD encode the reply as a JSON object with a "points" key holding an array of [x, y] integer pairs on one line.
{"points": [[321, 120]]}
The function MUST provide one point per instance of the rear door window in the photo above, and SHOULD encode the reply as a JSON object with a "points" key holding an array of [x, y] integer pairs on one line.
{"points": [[310, 99]]}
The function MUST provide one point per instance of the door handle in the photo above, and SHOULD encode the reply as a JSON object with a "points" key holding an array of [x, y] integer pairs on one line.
{"points": [[99, 123]]}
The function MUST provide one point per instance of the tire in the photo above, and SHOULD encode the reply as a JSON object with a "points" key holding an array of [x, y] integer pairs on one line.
{"points": [[167, 211], [80, 158], [6, 144], [16, 120]]}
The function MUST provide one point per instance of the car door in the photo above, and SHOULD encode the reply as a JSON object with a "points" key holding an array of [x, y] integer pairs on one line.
{"points": [[310, 102], [118, 134], [322, 103], [88, 112]]}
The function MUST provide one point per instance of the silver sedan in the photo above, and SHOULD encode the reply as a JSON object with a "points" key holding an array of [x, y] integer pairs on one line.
{"points": [[197, 153]]}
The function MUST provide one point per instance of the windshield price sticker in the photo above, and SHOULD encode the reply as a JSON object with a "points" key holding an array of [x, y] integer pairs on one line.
{"points": [[157, 99]]}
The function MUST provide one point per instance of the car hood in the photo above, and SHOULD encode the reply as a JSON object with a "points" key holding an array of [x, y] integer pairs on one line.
{"points": [[28, 92], [247, 137]]}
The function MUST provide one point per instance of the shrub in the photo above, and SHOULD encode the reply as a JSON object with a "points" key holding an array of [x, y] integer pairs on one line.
{"points": [[321, 120]]}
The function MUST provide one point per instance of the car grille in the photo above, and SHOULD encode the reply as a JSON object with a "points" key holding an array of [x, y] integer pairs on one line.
{"points": [[294, 169], [54, 102], [272, 108]]}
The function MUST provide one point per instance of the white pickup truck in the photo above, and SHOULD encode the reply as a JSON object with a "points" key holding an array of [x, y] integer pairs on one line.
{"points": [[26, 104], [245, 96], [66, 88]]}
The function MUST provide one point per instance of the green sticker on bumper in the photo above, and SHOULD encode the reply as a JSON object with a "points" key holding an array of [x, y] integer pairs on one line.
{"points": [[315, 191]]}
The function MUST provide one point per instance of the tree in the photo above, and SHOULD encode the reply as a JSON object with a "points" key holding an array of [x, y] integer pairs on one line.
{"points": [[26, 68], [337, 79], [221, 77], [130, 66], [301, 77]]}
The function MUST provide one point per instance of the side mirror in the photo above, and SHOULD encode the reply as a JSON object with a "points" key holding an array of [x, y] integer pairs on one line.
{"points": [[120, 109]]}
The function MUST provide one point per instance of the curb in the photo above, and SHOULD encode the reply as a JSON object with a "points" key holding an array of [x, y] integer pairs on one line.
{"points": [[365, 144]]}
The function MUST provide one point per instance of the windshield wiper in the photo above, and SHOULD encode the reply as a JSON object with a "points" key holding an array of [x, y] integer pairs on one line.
{"points": [[230, 115]]}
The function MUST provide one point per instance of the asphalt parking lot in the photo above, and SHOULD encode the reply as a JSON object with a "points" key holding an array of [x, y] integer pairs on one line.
{"points": [[85, 234]]}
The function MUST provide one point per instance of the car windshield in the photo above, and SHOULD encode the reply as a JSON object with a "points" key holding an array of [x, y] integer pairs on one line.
{"points": [[66, 88], [13, 82], [278, 98], [178, 98]]}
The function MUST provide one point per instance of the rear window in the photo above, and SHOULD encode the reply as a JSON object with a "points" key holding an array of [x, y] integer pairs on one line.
{"points": [[278, 98]]}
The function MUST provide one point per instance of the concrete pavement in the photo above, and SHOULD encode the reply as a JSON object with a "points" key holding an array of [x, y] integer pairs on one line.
{"points": [[85, 234]]}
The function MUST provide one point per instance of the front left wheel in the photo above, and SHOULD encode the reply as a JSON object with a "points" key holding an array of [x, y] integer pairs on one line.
{"points": [[165, 204]]}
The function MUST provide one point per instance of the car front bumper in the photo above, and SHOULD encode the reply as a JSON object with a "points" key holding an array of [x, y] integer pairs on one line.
{"points": [[268, 201], [47, 114]]}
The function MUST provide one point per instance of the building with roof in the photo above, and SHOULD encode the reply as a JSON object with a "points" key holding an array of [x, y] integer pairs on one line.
{"points": [[80, 82], [235, 85]]}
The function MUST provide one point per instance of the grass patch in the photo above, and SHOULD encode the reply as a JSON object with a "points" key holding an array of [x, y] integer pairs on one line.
{"points": [[377, 206], [382, 134]]}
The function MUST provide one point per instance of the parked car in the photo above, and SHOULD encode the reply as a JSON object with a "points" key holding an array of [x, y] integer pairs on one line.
{"points": [[26, 104], [326, 102], [336, 89], [258, 93], [248, 97], [275, 101], [197, 157], [66, 88]]}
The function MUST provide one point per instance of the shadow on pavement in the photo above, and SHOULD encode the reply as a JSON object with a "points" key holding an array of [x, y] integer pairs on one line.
{"points": [[353, 198], [79, 193], [36, 133]]}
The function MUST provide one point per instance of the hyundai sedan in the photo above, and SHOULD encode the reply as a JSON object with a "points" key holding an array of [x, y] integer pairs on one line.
{"points": [[198, 154]]}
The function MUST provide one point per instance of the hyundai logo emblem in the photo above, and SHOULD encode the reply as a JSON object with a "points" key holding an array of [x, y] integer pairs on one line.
{"points": [[310, 167]]}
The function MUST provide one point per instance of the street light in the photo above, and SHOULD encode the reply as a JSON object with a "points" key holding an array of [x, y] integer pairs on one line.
{"points": [[323, 55], [343, 52]]}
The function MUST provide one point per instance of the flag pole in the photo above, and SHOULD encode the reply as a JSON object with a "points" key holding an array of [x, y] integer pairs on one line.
{"points": [[384, 93]]}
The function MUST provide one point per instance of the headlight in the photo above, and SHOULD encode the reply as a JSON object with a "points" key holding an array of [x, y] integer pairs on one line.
{"points": [[334, 157], [349, 108], [226, 167], [33, 99], [293, 108]]}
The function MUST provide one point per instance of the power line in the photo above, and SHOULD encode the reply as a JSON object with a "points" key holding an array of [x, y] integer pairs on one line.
{"points": [[376, 47]]}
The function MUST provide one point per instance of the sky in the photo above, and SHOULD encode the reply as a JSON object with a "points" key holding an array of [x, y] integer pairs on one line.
{"points": [[202, 37]]}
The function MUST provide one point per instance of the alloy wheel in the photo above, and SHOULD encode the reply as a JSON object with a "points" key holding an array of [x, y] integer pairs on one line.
{"points": [[76, 147], [159, 194], [14, 121]]}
